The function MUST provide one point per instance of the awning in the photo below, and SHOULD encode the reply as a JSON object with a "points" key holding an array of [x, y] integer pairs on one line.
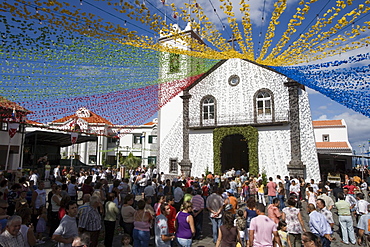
{"points": [[54, 138]]}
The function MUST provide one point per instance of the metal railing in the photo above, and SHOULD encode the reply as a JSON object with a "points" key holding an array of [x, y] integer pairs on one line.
{"points": [[227, 120]]}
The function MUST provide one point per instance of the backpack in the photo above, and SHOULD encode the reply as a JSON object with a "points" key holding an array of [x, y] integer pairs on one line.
{"points": [[241, 223]]}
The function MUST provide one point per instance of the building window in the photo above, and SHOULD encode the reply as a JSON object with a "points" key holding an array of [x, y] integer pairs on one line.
{"points": [[174, 63], [92, 159], [325, 138], [208, 108], [152, 139], [4, 126], [263, 103], [173, 165], [152, 160], [137, 139]]}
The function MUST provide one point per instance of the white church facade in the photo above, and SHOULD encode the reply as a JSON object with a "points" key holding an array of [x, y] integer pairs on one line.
{"points": [[237, 115]]}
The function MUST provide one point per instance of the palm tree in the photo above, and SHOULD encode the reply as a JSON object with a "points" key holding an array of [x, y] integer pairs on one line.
{"points": [[132, 162]]}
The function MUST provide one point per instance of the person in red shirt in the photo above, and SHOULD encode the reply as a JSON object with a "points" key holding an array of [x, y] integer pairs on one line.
{"points": [[171, 217], [350, 187]]}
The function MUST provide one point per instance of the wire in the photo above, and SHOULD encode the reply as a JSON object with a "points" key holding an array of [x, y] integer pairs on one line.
{"points": [[223, 26], [260, 34], [118, 17], [309, 24]]}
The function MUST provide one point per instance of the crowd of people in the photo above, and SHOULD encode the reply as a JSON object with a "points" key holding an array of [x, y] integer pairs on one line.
{"points": [[146, 204]]}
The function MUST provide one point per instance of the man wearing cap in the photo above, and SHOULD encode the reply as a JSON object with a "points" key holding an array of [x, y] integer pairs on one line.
{"points": [[231, 200]]}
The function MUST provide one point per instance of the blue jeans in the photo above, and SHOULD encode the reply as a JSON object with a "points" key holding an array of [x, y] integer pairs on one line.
{"points": [[198, 222], [325, 242], [282, 204], [216, 223], [141, 238], [184, 242], [271, 198]]}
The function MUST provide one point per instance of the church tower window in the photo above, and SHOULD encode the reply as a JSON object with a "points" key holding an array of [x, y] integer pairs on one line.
{"points": [[174, 63], [264, 106]]}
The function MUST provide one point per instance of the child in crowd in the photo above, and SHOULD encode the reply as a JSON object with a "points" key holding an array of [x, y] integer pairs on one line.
{"points": [[41, 223], [126, 240], [240, 223], [282, 231]]}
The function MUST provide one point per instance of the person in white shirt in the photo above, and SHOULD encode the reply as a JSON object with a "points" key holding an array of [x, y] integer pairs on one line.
{"points": [[294, 188], [33, 177], [314, 186], [56, 172], [361, 208]]}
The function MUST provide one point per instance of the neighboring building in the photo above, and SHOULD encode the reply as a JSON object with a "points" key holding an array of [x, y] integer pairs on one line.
{"points": [[141, 140], [11, 112], [333, 147], [237, 115]]}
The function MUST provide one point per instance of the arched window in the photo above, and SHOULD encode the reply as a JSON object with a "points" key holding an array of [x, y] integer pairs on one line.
{"points": [[263, 101], [264, 106], [208, 109]]}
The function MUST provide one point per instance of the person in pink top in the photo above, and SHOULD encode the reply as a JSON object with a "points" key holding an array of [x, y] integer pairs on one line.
{"points": [[262, 228], [271, 190], [273, 211]]}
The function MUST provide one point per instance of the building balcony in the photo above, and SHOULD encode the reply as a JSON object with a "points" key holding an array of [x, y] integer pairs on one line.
{"points": [[278, 118]]}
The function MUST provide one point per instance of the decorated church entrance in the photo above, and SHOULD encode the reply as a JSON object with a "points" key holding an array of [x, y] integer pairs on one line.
{"points": [[234, 153]]}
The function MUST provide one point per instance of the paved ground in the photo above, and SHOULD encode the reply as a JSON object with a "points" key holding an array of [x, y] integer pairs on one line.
{"points": [[207, 241]]}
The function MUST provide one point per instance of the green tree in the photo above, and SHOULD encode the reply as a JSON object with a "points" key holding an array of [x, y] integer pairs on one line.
{"points": [[132, 162]]}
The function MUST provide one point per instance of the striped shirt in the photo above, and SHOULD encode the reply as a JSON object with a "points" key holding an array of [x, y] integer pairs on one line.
{"points": [[198, 202], [90, 219]]}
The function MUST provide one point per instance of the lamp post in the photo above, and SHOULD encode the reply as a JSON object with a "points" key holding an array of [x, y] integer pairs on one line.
{"points": [[117, 154], [100, 155]]}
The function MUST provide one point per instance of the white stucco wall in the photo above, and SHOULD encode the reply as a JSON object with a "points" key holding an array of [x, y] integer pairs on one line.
{"points": [[235, 103], [336, 134], [308, 145], [170, 134], [201, 151], [274, 150]]}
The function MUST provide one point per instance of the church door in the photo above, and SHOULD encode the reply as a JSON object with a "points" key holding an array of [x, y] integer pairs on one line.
{"points": [[234, 153]]}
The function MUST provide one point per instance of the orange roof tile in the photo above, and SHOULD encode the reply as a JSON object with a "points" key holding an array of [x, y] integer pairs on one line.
{"points": [[7, 104], [94, 118], [150, 123], [327, 123], [32, 122], [332, 145]]}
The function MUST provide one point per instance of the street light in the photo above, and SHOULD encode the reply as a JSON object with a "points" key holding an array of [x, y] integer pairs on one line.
{"points": [[117, 155], [100, 155]]}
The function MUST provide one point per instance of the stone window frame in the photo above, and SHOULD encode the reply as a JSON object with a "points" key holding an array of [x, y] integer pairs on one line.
{"points": [[173, 165], [272, 103], [202, 120], [231, 78]]}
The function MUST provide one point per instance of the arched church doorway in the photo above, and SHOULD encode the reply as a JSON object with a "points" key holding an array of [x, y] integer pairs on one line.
{"points": [[234, 153]]}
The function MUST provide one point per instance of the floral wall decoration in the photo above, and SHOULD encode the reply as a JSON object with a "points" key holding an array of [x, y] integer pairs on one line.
{"points": [[249, 133], [57, 56]]}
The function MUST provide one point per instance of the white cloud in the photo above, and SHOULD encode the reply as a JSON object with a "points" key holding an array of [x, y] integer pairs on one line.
{"points": [[311, 91], [323, 117], [358, 128], [323, 107]]}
